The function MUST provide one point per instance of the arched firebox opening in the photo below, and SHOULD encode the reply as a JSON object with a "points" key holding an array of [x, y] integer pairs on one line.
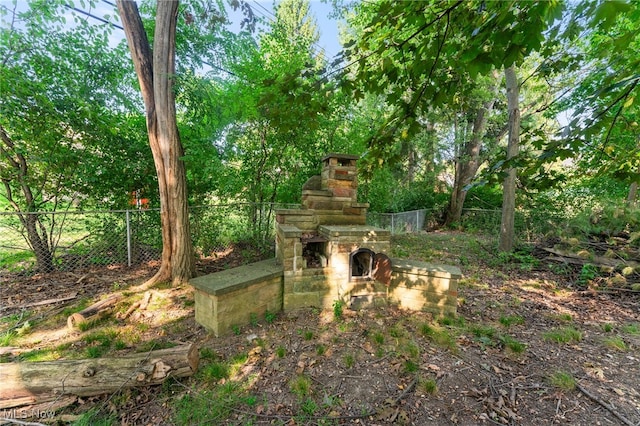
{"points": [[361, 264]]}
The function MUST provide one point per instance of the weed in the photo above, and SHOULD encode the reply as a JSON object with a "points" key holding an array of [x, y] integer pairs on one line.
{"points": [[563, 380], [253, 319], [281, 351], [563, 335], [562, 317], [396, 332], [428, 386], [439, 337], [155, 344], [411, 349], [349, 360], [7, 338], [607, 327], [451, 321], [215, 371], [269, 317], [309, 407], [236, 329], [307, 335], [207, 354], [632, 328], [338, 306], [321, 349], [300, 386], [616, 342], [512, 344], [40, 355], [587, 273], [411, 366], [510, 320], [378, 338]]}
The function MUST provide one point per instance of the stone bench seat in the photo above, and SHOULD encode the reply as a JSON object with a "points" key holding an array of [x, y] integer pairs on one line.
{"points": [[229, 298]]}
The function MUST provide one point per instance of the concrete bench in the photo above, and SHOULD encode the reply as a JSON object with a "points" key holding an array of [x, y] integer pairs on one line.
{"points": [[229, 298]]}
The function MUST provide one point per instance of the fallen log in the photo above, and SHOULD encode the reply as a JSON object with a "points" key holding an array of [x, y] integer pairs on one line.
{"points": [[85, 315], [50, 382], [574, 258]]}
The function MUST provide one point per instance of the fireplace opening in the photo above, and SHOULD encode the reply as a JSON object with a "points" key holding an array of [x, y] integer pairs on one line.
{"points": [[314, 251], [361, 264]]}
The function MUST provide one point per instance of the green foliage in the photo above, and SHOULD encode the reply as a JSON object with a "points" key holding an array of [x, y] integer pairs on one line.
{"points": [[300, 386], [338, 306], [563, 380], [562, 335]]}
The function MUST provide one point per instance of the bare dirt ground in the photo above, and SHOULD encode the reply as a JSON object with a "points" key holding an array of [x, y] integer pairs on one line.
{"points": [[528, 347]]}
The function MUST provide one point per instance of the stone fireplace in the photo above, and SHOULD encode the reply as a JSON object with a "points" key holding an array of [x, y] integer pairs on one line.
{"points": [[325, 252], [326, 249]]}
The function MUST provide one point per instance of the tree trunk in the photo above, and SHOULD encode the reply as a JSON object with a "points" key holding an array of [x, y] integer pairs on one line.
{"points": [[36, 237], [155, 73], [467, 165], [507, 231], [38, 383], [632, 196]]}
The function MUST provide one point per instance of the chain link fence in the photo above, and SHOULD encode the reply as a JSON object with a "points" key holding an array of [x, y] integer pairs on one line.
{"points": [[76, 240], [72, 240]]}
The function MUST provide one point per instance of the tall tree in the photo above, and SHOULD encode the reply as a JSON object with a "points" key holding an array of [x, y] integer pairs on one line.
{"points": [[509, 183], [156, 69]]}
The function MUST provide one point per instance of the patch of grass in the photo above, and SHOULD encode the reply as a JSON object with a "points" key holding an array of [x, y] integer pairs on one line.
{"points": [[428, 386], [281, 351], [616, 342], [40, 355], [563, 380], [509, 320], [321, 349], [208, 406], [563, 335], [631, 328], [309, 407], [512, 344], [7, 338], [349, 360], [307, 335], [253, 319], [215, 371], [411, 349], [378, 338], [411, 366], [300, 386], [607, 327], [439, 337], [452, 321], [562, 317]]}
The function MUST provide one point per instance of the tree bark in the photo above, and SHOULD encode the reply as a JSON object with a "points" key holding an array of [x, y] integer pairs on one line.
{"points": [[41, 383], [467, 165], [507, 231], [155, 74], [632, 195]]}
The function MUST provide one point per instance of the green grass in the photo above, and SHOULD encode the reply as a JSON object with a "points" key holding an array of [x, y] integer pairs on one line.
{"points": [[428, 386], [616, 342], [509, 320], [300, 386], [563, 335], [440, 337], [631, 328], [562, 380]]}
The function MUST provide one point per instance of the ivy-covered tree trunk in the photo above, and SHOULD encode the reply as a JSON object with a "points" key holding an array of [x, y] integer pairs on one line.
{"points": [[507, 233], [155, 72]]}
